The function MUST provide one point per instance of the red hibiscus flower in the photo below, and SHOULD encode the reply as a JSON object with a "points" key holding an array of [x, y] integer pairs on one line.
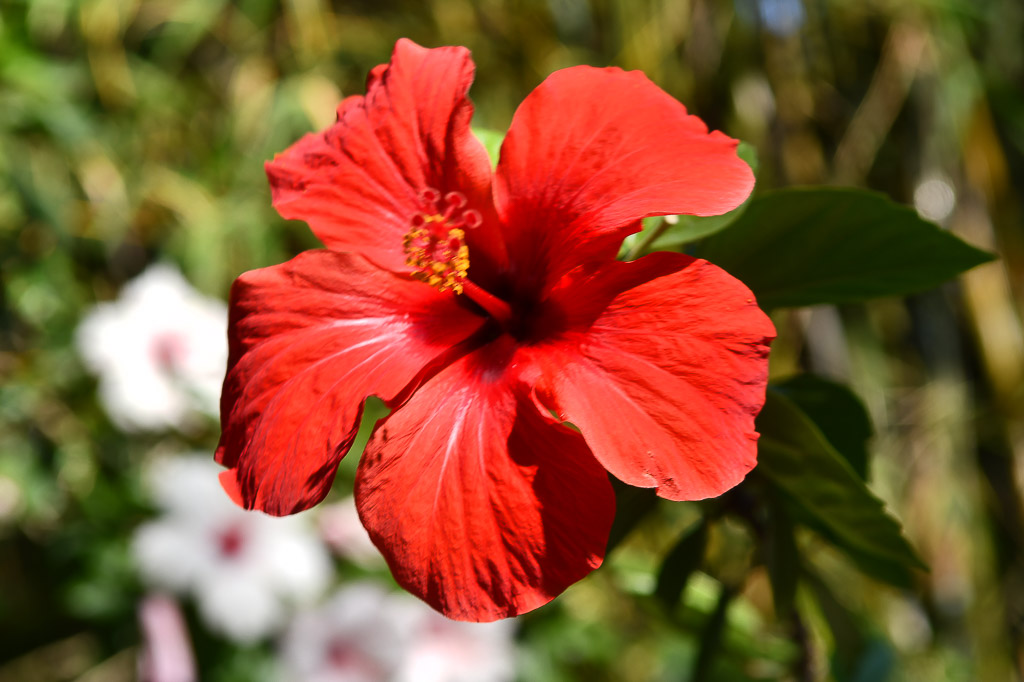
{"points": [[487, 309]]}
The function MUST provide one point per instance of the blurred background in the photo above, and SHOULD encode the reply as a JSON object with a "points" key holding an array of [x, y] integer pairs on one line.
{"points": [[132, 193]]}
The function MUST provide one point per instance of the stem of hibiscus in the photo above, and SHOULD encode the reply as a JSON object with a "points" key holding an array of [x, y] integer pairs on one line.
{"points": [[497, 308], [648, 237]]}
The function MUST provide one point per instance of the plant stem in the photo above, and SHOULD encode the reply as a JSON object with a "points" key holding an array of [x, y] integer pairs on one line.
{"points": [[649, 236], [712, 638]]}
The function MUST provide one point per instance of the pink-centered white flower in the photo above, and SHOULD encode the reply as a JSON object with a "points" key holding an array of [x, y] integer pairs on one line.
{"points": [[445, 650], [245, 570], [366, 634], [159, 350]]}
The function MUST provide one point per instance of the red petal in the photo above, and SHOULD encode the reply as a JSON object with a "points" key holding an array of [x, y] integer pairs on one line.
{"points": [[484, 507], [309, 340], [358, 183], [229, 482], [663, 372], [590, 152]]}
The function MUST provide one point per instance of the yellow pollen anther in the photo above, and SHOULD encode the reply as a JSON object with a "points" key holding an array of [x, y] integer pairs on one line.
{"points": [[435, 246]]}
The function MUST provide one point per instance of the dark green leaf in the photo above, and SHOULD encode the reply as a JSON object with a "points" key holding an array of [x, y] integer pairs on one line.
{"points": [[827, 495], [858, 656], [632, 505], [837, 412], [846, 631], [681, 561], [711, 637], [781, 557], [806, 246]]}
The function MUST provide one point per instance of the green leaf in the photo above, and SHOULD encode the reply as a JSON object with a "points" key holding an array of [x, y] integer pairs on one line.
{"points": [[683, 229], [491, 140], [837, 412], [711, 637], [824, 493], [858, 656], [681, 561], [748, 153], [805, 246], [632, 505], [781, 557]]}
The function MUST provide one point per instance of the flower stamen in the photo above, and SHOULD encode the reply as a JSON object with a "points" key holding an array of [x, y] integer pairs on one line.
{"points": [[435, 246]]}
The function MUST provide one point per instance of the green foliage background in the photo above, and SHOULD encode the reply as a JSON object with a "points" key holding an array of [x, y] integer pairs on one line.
{"points": [[134, 131]]}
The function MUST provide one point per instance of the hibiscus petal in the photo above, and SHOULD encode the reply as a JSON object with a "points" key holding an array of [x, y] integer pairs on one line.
{"points": [[590, 152], [358, 183], [663, 370], [309, 340], [483, 507]]}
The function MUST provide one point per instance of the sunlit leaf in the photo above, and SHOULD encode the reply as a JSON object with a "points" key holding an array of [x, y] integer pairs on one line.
{"points": [[806, 246], [826, 494]]}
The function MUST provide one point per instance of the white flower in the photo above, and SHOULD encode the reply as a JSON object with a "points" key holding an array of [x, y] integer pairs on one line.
{"points": [[365, 634], [242, 567], [357, 636], [445, 650], [160, 351]]}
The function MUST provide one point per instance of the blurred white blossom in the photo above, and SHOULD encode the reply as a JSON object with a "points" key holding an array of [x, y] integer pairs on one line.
{"points": [[446, 650], [243, 568], [366, 634], [160, 351], [357, 636]]}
